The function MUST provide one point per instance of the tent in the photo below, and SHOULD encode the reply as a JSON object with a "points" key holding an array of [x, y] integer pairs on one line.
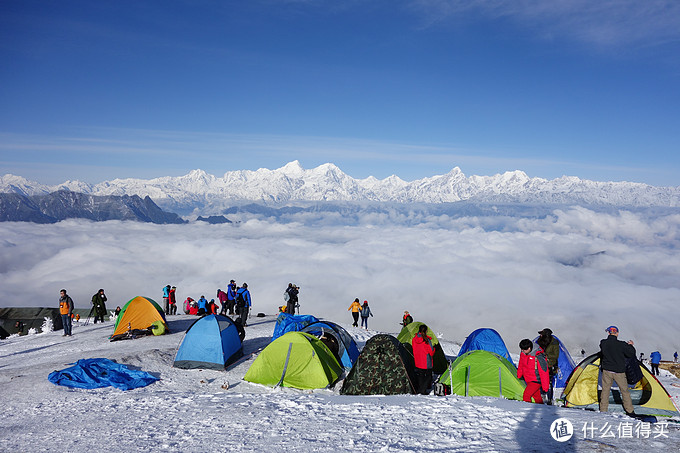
{"points": [[339, 341], [211, 342], [383, 368], [483, 373], [409, 331], [486, 340], [584, 386], [565, 364], [297, 360], [139, 313], [291, 323]]}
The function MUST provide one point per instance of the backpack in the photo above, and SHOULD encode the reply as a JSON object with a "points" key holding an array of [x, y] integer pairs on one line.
{"points": [[286, 296], [441, 389], [633, 371], [240, 301]]}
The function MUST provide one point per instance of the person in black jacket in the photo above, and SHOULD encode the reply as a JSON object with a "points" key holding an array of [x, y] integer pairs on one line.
{"points": [[99, 306], [614, 353]]}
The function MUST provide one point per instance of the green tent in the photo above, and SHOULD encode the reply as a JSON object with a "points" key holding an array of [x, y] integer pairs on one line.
{"points": [[383, 368], [411, 330], [483, 373], [297, 360]]}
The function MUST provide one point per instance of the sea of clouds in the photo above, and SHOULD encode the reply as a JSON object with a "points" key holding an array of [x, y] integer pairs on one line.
{"points": [[576, 271]]}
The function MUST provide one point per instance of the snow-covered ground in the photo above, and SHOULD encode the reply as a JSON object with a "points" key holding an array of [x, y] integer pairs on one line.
{"points": [[196, 411]]}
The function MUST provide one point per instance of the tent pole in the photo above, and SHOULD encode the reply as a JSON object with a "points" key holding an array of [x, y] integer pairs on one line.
{"points": [[285, 366]]}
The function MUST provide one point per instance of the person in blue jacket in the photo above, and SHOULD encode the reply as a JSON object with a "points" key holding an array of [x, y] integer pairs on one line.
{"points": [[166, 299], [243, 303], [202, 306], [365, 313], [231, 297], [655, 359]]}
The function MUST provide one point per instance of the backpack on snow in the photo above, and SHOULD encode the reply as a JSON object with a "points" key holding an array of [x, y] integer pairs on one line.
{"points": [[441, 389]]}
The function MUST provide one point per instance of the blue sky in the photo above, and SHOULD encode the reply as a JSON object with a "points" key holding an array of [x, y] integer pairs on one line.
{"points": [[106, 89]]}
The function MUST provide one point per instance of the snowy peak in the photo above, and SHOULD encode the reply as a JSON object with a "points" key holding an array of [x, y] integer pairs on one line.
{"points": [[200, 192]]}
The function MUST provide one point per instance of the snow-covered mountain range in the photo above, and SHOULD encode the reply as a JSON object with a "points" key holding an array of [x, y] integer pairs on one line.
{"points": [[200, 192]]}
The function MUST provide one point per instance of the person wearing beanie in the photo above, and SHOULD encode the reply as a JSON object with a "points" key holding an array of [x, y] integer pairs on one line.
{"points": [[614, 353]]}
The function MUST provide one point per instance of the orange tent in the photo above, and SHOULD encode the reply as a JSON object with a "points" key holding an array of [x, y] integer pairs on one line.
{"points": [[139, 313]]}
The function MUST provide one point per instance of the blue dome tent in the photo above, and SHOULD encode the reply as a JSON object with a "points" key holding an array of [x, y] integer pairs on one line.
{"points": [[486, 340], [212, 342], [347, 350]]}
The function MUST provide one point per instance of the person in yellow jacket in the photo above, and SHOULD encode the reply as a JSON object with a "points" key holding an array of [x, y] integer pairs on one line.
{"points": [[356, 308], [66, 310]]}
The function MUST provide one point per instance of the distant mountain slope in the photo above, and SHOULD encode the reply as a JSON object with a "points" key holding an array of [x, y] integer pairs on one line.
{"points": [[200, 192], [64, 204]]}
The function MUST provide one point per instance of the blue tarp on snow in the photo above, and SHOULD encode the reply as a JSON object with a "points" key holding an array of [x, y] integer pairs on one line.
{"points": [[97, 373], [291, 323], [565, 365], [485, 340]]}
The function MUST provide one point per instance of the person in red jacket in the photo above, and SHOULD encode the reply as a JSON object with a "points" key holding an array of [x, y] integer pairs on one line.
{"points": [[533, 367], [423, 355]]}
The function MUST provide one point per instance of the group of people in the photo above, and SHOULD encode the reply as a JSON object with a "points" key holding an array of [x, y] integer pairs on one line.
{"points": [[235, 300], [360, 310], [66, 307], [170, 300], [538, 367]]}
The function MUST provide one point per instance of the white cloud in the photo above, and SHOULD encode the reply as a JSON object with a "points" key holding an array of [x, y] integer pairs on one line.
{"points": [[457, 274]]}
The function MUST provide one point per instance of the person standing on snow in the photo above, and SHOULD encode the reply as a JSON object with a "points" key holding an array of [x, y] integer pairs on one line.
{"points": [[243, 303], [99, 305], [533, 368], [423, 356], [365, 313], [551, 349], [655, 360], [166, 299], [292, 293], [407, 319], [231, 297], [66, 311], [173, 300], [613, 366], [356, 308], [222, 297]]}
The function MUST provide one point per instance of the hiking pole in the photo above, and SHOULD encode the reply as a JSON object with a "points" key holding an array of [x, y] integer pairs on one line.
{"points": [[87, 321]]}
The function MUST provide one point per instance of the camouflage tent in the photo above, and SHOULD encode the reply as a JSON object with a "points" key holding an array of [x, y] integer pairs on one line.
{"points": [[383, 368]]}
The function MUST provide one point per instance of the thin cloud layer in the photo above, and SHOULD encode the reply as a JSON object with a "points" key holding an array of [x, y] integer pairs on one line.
{"points": [[576, 271], [604, 23]]}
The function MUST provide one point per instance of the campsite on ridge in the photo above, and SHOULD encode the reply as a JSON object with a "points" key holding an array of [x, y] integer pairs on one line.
{"points": [[206, 409]]}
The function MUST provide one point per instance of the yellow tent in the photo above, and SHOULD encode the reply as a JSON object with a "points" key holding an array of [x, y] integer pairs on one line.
{"points": [[584, 385], [139, 313]]}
